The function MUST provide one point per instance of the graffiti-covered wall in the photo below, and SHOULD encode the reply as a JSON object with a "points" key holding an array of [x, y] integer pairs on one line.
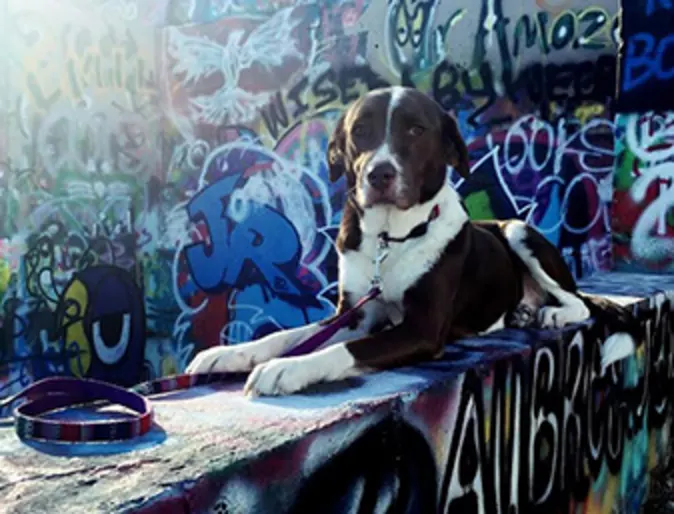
{"points": [[643, 223], [81, 139], [162, 163]]}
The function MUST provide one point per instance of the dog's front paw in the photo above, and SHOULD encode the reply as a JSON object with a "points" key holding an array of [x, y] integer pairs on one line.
{"points": [[222, 359], [279, 377], [522, 316], [559, 317]]}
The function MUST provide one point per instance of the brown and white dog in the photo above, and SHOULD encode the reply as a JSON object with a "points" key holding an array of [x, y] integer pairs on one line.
{"points": [[444, 278]]}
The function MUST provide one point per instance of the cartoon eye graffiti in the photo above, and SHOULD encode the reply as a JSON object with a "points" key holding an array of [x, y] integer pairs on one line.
{"points": [[418, 22], [401, 27], [112, 344], [410, 23], [102, 321]]}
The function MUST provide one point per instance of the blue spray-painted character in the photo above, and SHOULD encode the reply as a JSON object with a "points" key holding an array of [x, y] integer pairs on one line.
{"points": [[258, 257]]}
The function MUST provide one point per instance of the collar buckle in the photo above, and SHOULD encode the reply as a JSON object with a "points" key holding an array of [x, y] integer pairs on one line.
{"points": [[380, 257]]}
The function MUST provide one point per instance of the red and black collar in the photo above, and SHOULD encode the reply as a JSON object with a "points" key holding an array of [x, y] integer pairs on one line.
{"points": [[417, 231]]}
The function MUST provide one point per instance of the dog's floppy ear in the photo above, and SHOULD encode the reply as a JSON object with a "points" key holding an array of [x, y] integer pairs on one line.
{"points": [[336, 149], [454, 146]]}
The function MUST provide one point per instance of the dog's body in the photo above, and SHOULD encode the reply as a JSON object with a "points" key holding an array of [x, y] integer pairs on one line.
{"points": [[444, 277]]}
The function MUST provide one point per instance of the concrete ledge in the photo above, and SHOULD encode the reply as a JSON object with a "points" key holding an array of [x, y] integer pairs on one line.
{"points": [[521, 419]]}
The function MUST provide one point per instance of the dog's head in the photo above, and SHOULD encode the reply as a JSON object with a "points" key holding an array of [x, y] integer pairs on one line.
{"points": [[394, 145]]}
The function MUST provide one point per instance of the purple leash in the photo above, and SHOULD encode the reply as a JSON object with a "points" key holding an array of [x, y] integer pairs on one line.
{"points": [[56, 393], [322, 336]]}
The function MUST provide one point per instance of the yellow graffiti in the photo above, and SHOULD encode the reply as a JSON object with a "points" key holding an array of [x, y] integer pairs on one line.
{"points": [[168, 366], [596, 24], [653, 456], [410, 22], [76, 299], [94, 69], [585, 113], [443, 29], [5, 275], [77, 62], [610, 493]]}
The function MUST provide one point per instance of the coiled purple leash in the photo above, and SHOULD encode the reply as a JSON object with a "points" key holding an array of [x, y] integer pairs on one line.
{"points": [[55, 393]]}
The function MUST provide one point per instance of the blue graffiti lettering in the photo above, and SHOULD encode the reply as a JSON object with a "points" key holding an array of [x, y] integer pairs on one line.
{"points": [[644, 61], [267, 241], [653, 5], [207, 262], [262, 249], [638, 64], [666, 43]]}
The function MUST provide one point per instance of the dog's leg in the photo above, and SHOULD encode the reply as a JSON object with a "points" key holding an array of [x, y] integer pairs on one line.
{"points": [[549, 271], [421, 335], [244, 357], [552, 275], [499, 324], [396, 346], [533, 297]]}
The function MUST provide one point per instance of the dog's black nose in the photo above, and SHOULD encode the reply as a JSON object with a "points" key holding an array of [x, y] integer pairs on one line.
{"points": [[381, 176]]}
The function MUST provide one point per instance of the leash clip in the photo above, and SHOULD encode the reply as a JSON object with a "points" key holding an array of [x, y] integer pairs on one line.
{"points": [[382, 253]]}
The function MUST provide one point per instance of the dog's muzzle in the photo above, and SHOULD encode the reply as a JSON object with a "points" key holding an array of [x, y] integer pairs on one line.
{"points": [[381, 177]]}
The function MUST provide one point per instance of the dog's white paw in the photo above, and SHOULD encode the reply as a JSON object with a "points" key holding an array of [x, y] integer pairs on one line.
{"points": [[292, 374], [223, 359], [279, 377], [522, 316], [558, 317]]}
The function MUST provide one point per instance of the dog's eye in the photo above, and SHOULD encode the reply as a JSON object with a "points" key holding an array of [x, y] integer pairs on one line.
{"points": [[359, 131], [415, 130]]}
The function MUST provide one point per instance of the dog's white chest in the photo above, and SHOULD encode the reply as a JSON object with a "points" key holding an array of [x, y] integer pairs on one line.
{"points": [[402, 267], [406, 261]]}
